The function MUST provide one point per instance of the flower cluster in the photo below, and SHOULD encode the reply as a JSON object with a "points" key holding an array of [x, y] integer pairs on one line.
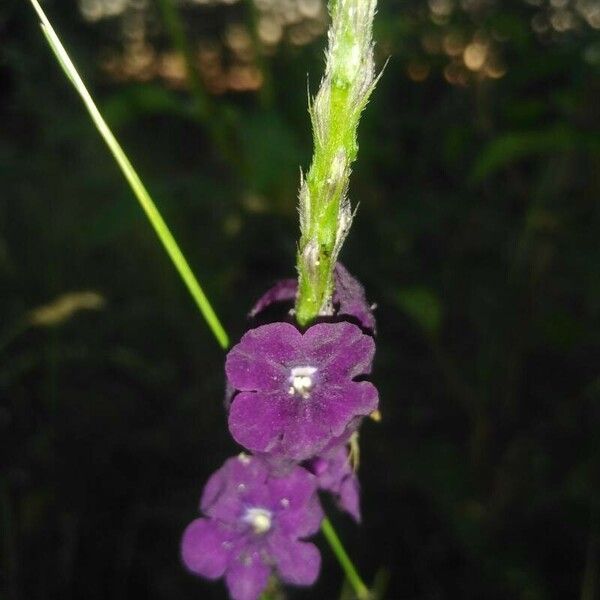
{"points": [[295, 399]]}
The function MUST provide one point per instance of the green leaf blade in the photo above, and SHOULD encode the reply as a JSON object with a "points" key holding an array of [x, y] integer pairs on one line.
{"points": [[141, 193]]}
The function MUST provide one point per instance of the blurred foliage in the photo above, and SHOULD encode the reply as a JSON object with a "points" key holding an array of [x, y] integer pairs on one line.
{"points": [[477, 236]]}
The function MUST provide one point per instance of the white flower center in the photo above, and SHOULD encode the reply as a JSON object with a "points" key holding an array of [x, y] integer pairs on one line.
{"points": [[244, 458], [302, 381], [260, 519]]}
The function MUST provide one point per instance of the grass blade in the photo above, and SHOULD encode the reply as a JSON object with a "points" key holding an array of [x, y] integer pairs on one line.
{"points": [[138, 188]]}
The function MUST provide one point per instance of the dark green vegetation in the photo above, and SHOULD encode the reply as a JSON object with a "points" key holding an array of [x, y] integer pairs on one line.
{"points": [[478, 235]]}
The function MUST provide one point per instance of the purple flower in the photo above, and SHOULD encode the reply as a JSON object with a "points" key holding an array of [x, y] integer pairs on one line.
{"points": [[349, 298], [253, 525], [298, 392], [335, 474]]}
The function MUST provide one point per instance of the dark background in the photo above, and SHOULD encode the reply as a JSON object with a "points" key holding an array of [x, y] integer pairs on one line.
{"points": [[478, 235]]}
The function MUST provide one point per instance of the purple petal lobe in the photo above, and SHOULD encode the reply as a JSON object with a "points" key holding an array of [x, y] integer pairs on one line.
{"points": [[247, 576], [297, 562], [283, 291], [303, 522], [297, 488], [300, 513], [255, 420], [205, 548], [349, 497], [257, 362], [341, 350], [349, 296], [345, 436], [338, 405], [225, 493], [336, 475], [305, 435], [213, 492]]}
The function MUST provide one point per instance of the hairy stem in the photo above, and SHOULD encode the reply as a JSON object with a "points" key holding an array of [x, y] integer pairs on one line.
{"points": [[325, 211]]}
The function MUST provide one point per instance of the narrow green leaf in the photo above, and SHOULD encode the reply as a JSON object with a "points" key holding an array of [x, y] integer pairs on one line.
{"points": [[138, 188]]}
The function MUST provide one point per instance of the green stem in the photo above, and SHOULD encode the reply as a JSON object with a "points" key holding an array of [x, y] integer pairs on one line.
{"points": [[138, 188], [355, 580], [325, 211]]}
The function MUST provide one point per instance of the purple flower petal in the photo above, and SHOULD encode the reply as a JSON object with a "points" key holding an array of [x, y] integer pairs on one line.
{"points": [[255, 420], [298, 487], [331, 468], [299, 512], [349, 497], [247, 576], [335, 474], [225, 493], [341, 350], [256, 363], [297, 562], [338, 405], [344, 438], [303, 522], [283, 291], [304, 435], [214, 489], [205, 548], [349, 296]]}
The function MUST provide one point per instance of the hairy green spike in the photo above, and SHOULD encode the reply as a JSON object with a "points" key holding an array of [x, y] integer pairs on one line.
{"points": [[325, 211]]}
